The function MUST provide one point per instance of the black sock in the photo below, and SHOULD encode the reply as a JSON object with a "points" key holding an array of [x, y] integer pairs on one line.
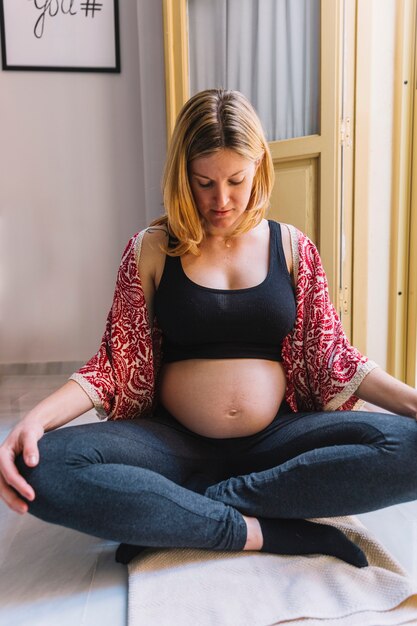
{"points": [[287, 536], [126, 552], [297, 536]]}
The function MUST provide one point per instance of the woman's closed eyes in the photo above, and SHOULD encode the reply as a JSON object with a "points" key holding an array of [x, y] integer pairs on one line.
{"points": [[210, 183]]}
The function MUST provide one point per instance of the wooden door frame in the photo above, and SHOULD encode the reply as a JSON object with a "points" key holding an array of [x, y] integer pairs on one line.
{"points": [[176, 59], [323, 145], [402, 300], [360, 187], [411, 340]]}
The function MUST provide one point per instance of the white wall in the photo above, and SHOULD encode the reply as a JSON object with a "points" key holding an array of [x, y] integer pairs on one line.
{"points": [[381, 115], [80, 163], [81, 157]]}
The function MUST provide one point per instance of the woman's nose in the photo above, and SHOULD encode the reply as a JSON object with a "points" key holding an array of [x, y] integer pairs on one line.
{"points": [[222, 197]]}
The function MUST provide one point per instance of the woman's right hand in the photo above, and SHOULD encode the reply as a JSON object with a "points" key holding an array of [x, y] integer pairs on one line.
{"points": [[61, 407], [23, 439]]}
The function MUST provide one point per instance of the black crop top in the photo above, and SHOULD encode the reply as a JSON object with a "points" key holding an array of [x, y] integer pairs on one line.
{"points": [[204, 323]]}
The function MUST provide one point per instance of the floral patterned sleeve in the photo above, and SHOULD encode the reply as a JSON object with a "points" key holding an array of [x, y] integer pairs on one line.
{"points": [[323, 370], [120, 377]]}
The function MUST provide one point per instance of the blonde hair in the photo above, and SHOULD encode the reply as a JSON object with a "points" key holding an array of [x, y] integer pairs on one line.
{"points": [[210, 121]]}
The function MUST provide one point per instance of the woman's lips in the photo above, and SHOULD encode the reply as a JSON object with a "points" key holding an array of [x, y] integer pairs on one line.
{"points": [[221, 212]]}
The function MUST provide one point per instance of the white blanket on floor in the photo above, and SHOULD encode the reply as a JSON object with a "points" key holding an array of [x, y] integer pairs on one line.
{"points": [[189, 587]]}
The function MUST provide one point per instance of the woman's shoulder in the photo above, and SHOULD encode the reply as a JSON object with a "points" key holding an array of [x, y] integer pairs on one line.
{"points": [[148, 242], [151, 258], [297, 238], [289, 231], [155, 236]]}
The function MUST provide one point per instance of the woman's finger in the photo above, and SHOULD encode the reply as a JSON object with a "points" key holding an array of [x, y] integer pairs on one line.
{"points": [[11, 476], [30, 449], [12, 499]]}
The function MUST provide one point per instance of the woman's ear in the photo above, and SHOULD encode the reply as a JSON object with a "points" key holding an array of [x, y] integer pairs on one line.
{"points": [[258, 162]]}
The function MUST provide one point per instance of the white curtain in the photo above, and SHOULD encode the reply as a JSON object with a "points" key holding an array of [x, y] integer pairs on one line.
{"points": [[267, 49]]}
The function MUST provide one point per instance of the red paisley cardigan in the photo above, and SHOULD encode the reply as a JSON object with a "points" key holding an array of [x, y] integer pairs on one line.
{"points": [[322, 369]]}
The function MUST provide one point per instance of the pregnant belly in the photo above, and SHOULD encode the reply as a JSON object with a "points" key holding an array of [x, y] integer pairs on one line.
{"points": [[223, 398]]}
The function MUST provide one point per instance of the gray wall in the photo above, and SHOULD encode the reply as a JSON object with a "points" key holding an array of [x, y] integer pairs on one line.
{"points": [[80, 165]]}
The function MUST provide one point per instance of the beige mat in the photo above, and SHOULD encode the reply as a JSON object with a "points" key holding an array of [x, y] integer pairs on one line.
{"points": [[188, 587]]}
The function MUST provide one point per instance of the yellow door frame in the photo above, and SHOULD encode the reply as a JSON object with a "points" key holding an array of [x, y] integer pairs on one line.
{"points": [[360, 187], [411, 343], [403, 279], [176, 59]]}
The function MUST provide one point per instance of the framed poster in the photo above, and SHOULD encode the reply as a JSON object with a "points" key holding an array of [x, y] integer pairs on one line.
{"points": [[60, 35]]}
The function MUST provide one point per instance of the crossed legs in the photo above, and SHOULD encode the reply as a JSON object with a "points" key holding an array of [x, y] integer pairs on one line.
{"points": [[152, 482]]}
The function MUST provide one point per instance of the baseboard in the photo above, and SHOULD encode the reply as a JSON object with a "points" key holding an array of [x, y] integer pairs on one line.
{"points": [[40, 369]]}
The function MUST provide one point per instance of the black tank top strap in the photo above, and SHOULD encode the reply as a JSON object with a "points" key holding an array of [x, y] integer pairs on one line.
{"points": [[277, 248], [173, 269], [172, 241]]}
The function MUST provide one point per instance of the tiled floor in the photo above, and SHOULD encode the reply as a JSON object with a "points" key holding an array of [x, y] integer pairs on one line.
{"points": [[52, 575]]}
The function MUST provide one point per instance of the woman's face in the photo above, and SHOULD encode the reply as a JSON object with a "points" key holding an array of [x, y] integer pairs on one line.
{"points": [[221, 184]]}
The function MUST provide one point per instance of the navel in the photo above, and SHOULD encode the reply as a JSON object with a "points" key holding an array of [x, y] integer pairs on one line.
{"points": [[232, 413]]}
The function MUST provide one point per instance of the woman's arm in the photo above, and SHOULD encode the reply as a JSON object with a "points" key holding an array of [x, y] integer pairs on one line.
{"points": [[120, 377], [387, 392], [151, 264], [58, 409]]}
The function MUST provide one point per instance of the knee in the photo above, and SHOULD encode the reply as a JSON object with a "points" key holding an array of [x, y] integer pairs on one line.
{"points": [[404, 434], [404, 444], [46, 477], [51, 452]]}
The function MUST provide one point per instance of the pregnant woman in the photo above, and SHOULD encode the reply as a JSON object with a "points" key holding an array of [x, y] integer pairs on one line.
{"points": [[231, 391]]}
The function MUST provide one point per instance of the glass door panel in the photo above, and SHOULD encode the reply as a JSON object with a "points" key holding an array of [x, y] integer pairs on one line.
{"points": [[267, 49]]}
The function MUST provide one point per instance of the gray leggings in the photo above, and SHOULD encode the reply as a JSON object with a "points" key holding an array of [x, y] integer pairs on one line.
{"points": [[153, 482]]}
